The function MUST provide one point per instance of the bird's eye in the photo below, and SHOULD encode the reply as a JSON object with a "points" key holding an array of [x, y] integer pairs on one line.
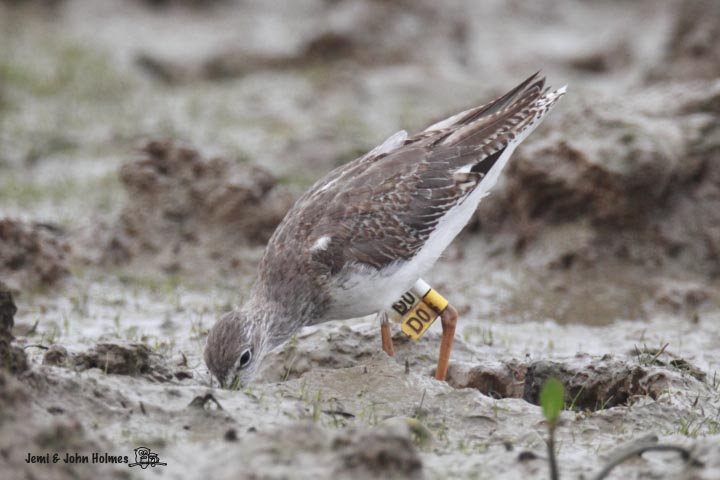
{"points": [[245, 358]]}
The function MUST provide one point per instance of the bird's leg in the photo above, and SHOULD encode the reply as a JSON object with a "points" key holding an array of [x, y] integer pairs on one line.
{"points": [[449, 321], [386, 334]]}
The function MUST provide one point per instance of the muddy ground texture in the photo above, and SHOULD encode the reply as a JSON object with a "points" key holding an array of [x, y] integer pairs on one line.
{"points": [[143, 169]]}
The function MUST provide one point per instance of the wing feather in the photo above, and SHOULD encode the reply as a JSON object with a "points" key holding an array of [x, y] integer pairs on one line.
{"points": [[382, 207]]}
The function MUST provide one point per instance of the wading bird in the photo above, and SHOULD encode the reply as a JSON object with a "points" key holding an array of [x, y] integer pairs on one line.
{"points": [[367, 232]]}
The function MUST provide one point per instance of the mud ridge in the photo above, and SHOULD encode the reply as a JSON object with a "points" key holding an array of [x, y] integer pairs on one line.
{"points": [[12, 358], [186, 211], [33, 255], [591, 383], [134, 359]]}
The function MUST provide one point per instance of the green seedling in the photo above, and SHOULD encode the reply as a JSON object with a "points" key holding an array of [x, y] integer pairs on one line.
{"points": [[552, 400]]}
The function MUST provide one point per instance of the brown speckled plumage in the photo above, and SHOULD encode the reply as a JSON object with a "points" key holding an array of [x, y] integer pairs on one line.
{"points": [[376, 213]]}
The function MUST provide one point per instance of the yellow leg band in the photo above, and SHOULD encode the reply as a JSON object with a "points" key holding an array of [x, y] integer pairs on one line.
{"points": [[416, 323], [417, 309], [435, 301]]}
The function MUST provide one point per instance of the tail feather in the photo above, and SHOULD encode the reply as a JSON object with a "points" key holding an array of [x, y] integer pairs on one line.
{"points": [[506, 100], [522, 107], [487, 109], [487, 129]]}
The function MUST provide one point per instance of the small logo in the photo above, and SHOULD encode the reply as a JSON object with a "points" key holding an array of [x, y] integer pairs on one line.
{"points": [[146, 458]]}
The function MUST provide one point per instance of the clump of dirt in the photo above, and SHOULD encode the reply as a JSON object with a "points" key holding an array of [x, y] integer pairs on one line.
{"points": [[692, 51], [56, 355], [23, 432], [386, 451], [618, 188], [603, 60], [12, 396], [12, 358], [183, 207], [8, 309], [493, 378], [32, 255], [593, 383], [132, 359], [661, 357], [355, 34], [321, 50], [202, 402], [682, 296]]}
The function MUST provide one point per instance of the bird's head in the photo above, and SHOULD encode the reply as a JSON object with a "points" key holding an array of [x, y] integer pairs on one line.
{"points": [[235, 348]]}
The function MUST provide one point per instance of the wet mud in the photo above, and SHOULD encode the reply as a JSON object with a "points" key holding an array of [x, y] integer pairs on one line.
{"points": [[691, 51], [594, 261], [27, 432], [352, 35], [626, 192], [12, 358], [32, 255], [182, 206]]}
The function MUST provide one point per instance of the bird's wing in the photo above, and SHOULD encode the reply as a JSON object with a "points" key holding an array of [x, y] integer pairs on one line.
{"points": [[382, 207], [387, 212]]}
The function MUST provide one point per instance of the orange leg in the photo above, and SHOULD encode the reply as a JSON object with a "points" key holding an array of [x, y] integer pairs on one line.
{"points": [[386, 335], [449, 321]]}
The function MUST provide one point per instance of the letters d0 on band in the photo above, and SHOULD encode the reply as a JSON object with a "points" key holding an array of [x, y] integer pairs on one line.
{"points": [[417, 309]]}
